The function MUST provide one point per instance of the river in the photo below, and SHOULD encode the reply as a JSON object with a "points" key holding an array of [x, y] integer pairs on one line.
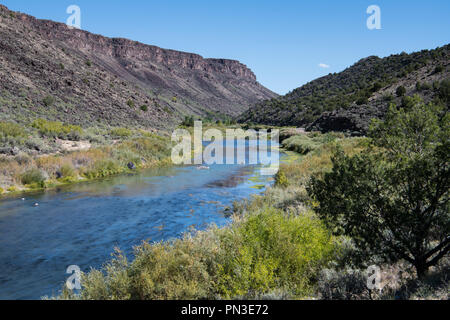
{"points": [[81, 224]]}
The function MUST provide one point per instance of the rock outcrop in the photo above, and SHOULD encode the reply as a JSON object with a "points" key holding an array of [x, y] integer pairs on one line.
{"points": [[93, 78]]}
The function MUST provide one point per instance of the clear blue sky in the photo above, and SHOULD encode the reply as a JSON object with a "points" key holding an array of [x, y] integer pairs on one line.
{"points": [[282, 41]]}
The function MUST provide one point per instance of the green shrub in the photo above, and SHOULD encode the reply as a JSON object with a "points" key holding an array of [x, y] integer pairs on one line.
{"points": [[377, 86], [444, 90], [89, 63], [121, 132], [130, 103], [400, 92], [1, 190], [436, 85], [362, 100], [151, 148], [23, 159], [438, 69], [55, 129], [144, 108], [102, 169], [331, 137], [188, 121], [33, 176], [270, 250], [67, 172], [123, 154], [418, 86], [425, 86], [48, 101], [281, 180], [10, 129], [301, 144], [161, 271], [13, 189]]}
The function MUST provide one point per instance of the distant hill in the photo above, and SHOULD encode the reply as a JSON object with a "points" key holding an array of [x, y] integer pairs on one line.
{"points": [[48, 70], [346, 101]]}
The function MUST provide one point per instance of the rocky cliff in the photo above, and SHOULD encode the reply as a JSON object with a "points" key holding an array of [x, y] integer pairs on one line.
{"points": [[48, 69]]}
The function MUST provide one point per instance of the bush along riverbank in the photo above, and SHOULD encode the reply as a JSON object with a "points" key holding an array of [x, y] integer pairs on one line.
{"points": [[48, 154], [292, 241]]}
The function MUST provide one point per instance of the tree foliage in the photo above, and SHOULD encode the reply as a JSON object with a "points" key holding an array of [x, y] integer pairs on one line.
{"points": [[394, 200], [188, 121], [400, 92]]}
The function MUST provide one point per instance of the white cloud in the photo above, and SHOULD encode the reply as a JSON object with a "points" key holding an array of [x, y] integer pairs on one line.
{"points": [[323, 65]]}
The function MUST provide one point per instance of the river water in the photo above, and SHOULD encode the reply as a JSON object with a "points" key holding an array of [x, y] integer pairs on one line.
{"points": [[82, 223]]}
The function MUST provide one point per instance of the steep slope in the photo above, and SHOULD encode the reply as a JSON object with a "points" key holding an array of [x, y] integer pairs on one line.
{"points": [[346, 101], [48, 70]]}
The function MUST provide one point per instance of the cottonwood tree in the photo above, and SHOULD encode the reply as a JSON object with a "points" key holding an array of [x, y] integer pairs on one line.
{"points": [[394, 199]]}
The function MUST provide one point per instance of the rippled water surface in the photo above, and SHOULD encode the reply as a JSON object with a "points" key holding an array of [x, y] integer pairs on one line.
{"points": [[81, 224]]}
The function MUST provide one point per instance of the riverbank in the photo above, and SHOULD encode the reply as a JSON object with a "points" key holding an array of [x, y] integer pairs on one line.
{"points": [[47, 154], [104, 153]]}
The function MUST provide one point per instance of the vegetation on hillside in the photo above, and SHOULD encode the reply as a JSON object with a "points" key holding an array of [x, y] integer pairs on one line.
{"points": [[352, 87]]}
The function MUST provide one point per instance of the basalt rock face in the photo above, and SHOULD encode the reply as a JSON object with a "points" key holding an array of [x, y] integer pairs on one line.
{"points": [[92, 78], [355, 120]]}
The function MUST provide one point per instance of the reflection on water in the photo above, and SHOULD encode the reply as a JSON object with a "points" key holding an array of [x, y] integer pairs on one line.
{"points": [[81, 224]]}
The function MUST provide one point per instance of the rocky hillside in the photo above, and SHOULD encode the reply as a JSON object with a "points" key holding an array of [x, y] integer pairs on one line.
{"points": [[48, 70], [348, 100]]}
